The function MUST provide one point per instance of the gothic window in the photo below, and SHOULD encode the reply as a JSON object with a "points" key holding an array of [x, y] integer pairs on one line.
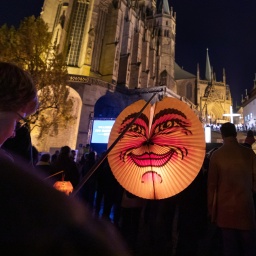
{"points": [[166, 33], [163, 78], [62, 19], [77, 29]]}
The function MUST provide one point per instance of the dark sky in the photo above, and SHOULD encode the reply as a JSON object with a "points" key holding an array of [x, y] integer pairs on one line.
{"points": [[227, 28]]}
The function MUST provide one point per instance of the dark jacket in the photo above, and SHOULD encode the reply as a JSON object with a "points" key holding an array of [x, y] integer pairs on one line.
{"points": [[231, 183], [71, 173]]}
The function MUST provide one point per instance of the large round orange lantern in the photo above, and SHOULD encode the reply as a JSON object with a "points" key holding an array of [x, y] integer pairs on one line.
{"points": [[161, 153]]}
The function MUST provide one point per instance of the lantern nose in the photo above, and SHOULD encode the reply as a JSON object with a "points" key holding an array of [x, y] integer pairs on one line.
{"points": [[148, 143]]}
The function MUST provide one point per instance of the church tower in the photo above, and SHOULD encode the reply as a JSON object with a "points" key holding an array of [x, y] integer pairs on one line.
{"points": [[214, 97], [166, 30]]}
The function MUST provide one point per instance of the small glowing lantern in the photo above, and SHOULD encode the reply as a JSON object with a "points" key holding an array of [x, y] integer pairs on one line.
{"points": [[63, 186]]}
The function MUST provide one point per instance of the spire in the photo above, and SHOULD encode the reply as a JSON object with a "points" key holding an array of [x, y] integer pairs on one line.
{"points": [[254, 86], [224, 76], [163, 7], [198, 72], [208, 73], [166, 9]]}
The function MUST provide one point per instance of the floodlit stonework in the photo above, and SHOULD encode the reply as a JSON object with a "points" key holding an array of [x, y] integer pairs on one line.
{"points": [[119, 51]]}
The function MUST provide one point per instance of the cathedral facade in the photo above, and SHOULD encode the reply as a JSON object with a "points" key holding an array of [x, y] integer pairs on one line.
{"points": [[213, 97], [119, 51]]}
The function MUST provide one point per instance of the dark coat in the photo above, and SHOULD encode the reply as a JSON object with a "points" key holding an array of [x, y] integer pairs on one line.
{"points": [[20, 146], [231, 183], [64, 163], [40, 220]]}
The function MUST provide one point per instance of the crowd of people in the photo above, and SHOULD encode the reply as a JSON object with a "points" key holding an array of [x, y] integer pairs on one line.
{"points": [[239, 127], [35, 218], [214, 215]]}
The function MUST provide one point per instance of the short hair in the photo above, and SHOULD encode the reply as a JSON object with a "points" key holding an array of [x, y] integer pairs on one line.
{"points": [[228, 130], [65, 150], [17, 89], [45, 157]]}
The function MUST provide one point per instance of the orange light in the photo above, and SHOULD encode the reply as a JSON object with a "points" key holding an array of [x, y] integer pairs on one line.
{"points": [[64, 186], [161, 153]]}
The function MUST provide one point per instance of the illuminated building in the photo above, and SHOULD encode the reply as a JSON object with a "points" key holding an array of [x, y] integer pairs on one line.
{"points": [[249, 108], [118, 52]]}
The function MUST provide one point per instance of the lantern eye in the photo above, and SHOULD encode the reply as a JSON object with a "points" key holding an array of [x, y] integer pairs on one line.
{"points": [[167, 126], [138, 129]]}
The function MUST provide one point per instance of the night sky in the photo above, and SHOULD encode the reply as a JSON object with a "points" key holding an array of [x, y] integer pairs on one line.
{"points": [[227, 28]]}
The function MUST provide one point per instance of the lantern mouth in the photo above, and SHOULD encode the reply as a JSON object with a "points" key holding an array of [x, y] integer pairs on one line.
{"points": [[151, 159], [151, 176]]}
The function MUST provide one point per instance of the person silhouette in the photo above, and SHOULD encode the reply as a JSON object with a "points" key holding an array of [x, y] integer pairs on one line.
{"points": [[35, 217], [231, 185], [66, 164]]}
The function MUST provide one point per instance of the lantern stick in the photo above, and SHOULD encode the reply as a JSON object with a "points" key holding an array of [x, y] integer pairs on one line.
{"points": [[53, 175], [105, 154]]}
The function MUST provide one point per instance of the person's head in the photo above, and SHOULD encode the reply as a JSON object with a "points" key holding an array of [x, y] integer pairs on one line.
{"points": [[65, 151], [91, 156], [45, 157], [250, 133], [18, 98], [73, 155], [228, 130]]}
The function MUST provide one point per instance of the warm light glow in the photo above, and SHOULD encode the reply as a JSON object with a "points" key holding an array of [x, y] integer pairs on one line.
{"points": [[64, 186], [161, 153], [207, 132], [68, 134], [231, 115]]}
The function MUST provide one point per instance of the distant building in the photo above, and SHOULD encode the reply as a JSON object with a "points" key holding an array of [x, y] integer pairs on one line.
{"points": [[118, 52], [249, 108], [213, 98]]}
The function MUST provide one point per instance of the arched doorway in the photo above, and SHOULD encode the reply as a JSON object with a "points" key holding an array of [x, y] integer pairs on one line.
{"points": [[66, 136]]}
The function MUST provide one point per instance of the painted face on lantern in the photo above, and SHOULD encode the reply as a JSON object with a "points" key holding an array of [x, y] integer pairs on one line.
{"points": [[161, 152], [155, 148]]}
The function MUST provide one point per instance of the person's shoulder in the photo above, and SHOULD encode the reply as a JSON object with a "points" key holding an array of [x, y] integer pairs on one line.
{"points": [[247, 151], [218, 153], [254, 147], [218, 150], [5, 156], [245, 147]]}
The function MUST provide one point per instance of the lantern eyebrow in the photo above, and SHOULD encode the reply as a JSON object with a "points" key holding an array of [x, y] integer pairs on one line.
{"points": [[131, 116], [167, 111], [126, 121]]}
